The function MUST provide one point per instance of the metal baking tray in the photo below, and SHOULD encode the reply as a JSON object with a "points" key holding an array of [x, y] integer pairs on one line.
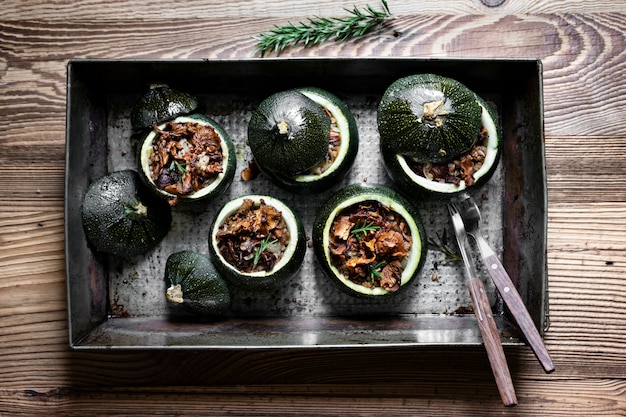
{"points": [[114, 303]]}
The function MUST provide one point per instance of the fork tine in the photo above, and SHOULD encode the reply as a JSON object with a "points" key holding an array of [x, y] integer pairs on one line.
{"points": [[454, 212]]}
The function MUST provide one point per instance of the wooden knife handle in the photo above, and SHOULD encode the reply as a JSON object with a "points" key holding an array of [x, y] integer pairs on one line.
{"points": [[491, 340], [517, 308]]}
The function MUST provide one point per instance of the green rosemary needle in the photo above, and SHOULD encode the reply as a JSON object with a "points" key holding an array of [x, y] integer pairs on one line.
{"points": [[320, 29], [441, 244], [363, 228], [258, 250], [374, 271]]}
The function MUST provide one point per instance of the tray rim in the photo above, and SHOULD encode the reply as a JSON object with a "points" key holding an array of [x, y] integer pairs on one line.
{"points": [[76, 343]]}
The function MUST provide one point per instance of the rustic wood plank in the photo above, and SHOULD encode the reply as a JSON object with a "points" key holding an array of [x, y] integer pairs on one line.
{"points": [[133, 10], [575, 50], [569, 163], [596, 397], [582, 46]]}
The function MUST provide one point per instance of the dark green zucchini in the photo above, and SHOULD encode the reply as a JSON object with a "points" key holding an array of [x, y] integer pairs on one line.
{"points": [[257, 242], [428, 117], [194, 285], [347, 199], [416, 186], [159, 104], [288, 133], [121, 217], [329, 171], [213, 189]]}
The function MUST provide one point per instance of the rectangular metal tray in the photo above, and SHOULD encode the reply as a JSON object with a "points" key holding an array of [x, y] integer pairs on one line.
{"points": [[113, 303]]}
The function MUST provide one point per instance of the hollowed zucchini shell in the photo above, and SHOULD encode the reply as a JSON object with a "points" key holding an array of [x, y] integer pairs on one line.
{"points": [[194, 285], [288, 133], [418, 187], [121, 217], [305, 183], [159, 104], [354, 194], [428, 117], [288, 265], [215, 189]]}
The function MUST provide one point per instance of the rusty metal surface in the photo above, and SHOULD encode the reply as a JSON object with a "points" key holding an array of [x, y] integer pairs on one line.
{"points": [[121, 303]]}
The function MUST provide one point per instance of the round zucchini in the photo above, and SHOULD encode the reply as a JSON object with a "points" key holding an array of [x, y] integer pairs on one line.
{"points": [[288, 133], [194, 285], [121, 217], [355, 234], [159, 104], [250, 259], [187, 166], [417, 185], [428, 117], [340, 155]]}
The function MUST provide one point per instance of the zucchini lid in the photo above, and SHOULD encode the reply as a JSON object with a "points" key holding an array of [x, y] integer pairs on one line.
{"points": [[288, 133], [194, 285], [312, 182], [159, 104], [428, 117], [120, 216]]}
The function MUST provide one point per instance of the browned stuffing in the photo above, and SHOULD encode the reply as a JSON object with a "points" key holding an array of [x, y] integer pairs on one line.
{"points": [[254, 237], [186, 157], [369, 243], [461, 168]]}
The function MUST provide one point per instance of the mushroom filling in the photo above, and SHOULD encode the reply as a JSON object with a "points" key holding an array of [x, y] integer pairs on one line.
{"points": [[186, 157], [254, 237], [369, 244], [334, 143], [461, 168]]}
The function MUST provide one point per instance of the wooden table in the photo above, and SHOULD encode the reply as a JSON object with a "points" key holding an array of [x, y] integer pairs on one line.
{"points": [[582, 46]]}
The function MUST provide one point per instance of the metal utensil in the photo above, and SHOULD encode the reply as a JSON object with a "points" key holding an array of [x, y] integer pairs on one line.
{"points": [[484, 316], [471, 219]]}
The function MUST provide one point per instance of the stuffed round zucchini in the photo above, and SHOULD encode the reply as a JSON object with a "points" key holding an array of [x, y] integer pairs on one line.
{"points": [[188, 160], [305, 140], [437, 137], [257, 242], [369, 240]]}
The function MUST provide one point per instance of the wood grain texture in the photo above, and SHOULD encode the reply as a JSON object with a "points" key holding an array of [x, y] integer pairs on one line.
{"points": [[583, 56], [214, 9], [582, 47]]}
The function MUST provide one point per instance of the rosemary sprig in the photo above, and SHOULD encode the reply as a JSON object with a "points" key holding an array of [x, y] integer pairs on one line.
{"points": [[180, 167], [363, 228], [320, 29], [374, 271], [441, 245], [258, 250]]}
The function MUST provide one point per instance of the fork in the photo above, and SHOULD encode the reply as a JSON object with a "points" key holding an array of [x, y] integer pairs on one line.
{"points": [[484, 316], [470, 214]]}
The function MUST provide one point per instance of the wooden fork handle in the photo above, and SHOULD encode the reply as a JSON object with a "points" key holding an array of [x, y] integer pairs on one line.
{"points": [[517, 308], [491, 340]]}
